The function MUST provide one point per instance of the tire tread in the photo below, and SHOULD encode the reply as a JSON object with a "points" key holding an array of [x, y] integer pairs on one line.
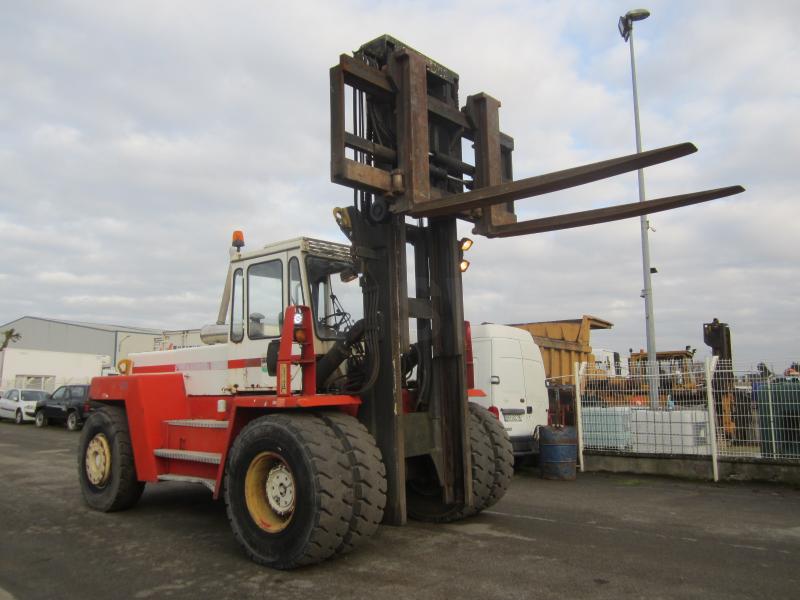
{"points": [[367, 477], [329, 471], [129, 488]]}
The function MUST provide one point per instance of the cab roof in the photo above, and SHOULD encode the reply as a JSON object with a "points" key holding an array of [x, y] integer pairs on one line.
{"points": [[306, 245]]}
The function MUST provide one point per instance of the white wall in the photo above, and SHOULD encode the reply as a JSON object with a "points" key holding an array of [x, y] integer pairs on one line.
{"points": [[59, 368]]}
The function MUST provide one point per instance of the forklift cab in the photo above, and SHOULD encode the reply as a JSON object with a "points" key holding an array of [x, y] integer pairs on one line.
{"points": [[302, 271]]}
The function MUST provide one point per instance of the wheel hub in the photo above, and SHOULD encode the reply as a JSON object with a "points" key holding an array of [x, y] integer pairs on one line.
{"points": [[269, 488], [280, 489], [98, 460]]}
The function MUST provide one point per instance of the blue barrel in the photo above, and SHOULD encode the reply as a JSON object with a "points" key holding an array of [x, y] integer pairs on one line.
{"points": [[558, 451]]}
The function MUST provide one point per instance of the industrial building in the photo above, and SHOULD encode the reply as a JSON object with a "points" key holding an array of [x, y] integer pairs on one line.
{"points": [[52, 352]]}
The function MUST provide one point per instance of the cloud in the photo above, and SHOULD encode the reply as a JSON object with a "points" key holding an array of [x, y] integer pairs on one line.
{"points": [[137, 136], [69, 278]]}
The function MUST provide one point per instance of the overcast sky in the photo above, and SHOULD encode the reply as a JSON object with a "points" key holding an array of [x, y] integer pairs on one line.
{"points": [[135, 136]]}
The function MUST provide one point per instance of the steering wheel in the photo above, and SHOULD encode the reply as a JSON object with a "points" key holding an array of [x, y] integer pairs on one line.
{"points": [[334, 320]]}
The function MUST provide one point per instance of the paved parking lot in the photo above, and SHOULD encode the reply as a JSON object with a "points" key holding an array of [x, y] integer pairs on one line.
{"points": [[600, 537]]}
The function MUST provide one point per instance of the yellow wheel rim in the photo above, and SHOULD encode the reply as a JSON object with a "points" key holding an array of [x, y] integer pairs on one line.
{"points": [[98, 460], [269, 491]]}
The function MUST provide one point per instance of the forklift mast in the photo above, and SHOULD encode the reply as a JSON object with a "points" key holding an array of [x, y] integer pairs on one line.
{"points": [[397, 128]]}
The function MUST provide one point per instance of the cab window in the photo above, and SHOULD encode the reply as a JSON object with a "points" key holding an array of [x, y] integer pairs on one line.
{"points": [[237, 307], [264, 299], [295, 283], [60, 393]]}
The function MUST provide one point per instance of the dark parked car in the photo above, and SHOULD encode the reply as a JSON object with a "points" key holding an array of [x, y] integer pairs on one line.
{"points": [[69, 404]]}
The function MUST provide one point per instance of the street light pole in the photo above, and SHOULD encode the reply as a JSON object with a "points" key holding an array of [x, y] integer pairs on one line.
{"points": [[626, 31]]}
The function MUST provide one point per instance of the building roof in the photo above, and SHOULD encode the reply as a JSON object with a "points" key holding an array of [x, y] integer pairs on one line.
{"points": [[98, 326]]}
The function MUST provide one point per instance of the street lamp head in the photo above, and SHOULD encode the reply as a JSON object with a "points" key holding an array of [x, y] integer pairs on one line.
{"points": [[626, 22], [637, 14]]}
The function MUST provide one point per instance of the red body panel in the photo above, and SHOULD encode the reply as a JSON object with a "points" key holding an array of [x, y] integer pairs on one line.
{"points": [[153, 399], [149, 401]]}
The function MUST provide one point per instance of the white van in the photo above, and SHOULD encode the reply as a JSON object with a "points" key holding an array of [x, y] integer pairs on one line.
{"points": [[509, 368]]}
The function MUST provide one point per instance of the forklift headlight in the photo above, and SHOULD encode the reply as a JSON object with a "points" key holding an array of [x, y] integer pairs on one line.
{"points": [[298, 319]]}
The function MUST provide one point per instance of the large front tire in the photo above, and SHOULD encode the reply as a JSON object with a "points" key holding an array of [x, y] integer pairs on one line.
{"points": [[368, 475], [106, 467], [287, 491]]}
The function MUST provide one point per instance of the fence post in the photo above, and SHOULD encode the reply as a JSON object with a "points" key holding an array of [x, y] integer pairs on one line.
{"points": [[771, 418], [579, 414], [711, 365]]}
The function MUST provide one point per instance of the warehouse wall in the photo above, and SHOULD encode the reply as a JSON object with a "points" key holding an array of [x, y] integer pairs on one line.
{"points": [[128, 343], [41, 334], [55, 336]]}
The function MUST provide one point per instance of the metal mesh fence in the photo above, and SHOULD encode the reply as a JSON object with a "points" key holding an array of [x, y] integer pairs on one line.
{"points": [[682, 407]]}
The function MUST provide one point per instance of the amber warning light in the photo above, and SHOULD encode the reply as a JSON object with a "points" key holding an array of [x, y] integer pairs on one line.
{"points": [[238, 239]]}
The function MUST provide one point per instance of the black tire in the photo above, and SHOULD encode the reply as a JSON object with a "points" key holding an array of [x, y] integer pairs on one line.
{"points": [[18, 417], [41, 419], [73, 423], [502, 455], [368, 475], [120, 489], [322, 497], [426, 504]]}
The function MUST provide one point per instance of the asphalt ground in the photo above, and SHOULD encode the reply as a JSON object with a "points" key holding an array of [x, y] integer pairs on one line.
{"points": [[602, 536]]}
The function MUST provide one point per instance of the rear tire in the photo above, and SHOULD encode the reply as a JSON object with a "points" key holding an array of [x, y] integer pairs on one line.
{"points": [[426, 504], [41, 419], [368, 475], [106, 467], [287, 490], [502, 457], [72, 421]]}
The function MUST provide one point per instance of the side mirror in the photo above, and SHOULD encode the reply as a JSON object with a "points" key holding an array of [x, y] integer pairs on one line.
{"points": [[272, 357]]}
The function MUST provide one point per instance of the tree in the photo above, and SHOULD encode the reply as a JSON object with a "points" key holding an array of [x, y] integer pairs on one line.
{"points": [[9, 336]]}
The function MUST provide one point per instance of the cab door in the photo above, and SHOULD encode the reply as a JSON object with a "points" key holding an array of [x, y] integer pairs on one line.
{"points": [[258, 302]]}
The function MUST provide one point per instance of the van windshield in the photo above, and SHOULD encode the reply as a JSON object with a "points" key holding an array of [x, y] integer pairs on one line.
{"points": [[33, 396]]}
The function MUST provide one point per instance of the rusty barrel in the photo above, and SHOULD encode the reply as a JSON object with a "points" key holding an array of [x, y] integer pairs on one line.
{"points": [[558, 451]]}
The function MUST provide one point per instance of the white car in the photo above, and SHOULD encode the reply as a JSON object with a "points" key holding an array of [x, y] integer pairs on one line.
{"points": [[20, 405]]}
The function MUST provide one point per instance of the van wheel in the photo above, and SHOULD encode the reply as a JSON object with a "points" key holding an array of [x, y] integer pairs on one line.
{"points": [[72, 421], [41, 419], [106, 467], [287, 491], [424, 496], [368, 476], [18, 417]]}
